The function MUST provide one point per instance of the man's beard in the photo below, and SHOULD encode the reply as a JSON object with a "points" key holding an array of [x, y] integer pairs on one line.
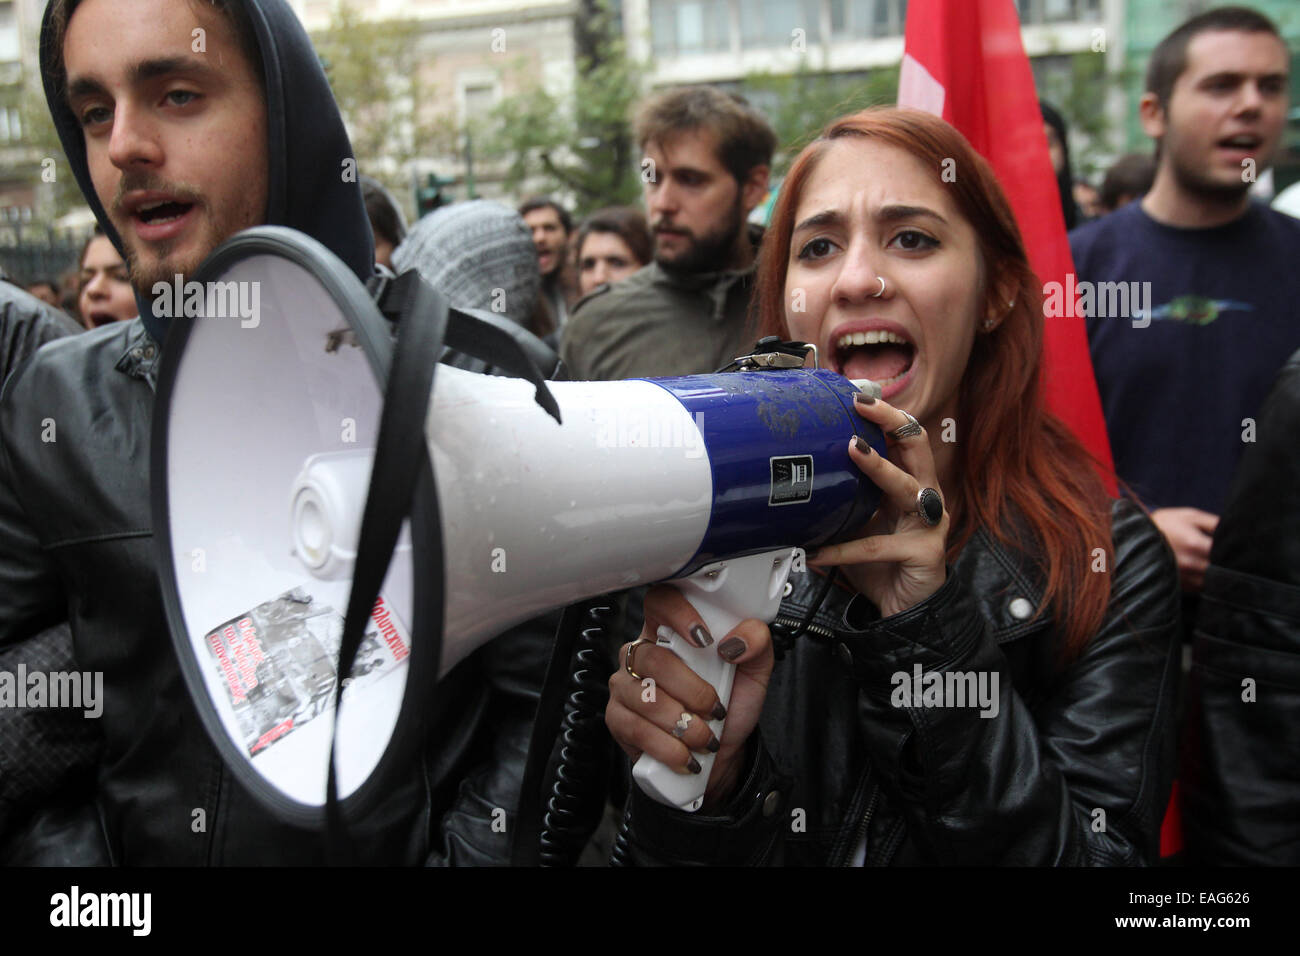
{"points": [[1192, 179], [159, 268], [710, 252]]}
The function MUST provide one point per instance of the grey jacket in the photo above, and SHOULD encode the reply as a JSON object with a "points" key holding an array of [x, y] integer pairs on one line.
{"points": [[658, 323]]}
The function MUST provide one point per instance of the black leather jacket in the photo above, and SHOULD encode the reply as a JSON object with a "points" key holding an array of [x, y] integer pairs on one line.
{"points": [[27, 323], [44, 752], [1241, 777], [76, 544], [1074, 768]]}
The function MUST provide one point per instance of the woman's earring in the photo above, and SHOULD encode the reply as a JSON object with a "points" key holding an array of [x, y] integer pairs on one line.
{"points": [[988, 325]]}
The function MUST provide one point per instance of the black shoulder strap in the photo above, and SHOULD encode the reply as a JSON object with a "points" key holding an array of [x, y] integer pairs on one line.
{"points": [[400, 452], [483, 335]]}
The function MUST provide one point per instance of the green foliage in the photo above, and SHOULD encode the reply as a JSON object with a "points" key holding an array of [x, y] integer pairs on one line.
{"points": [[41, 141], [801, 104], [578, 143], [373, 71], [1080, 94]]}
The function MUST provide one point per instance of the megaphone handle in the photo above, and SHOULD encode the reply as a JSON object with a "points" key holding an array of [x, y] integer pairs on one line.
{"points": [[724, 594]]}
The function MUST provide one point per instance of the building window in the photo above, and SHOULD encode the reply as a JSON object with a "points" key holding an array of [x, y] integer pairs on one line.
{"points": [[479, 100], [891, 17], [1054, 11], [1058, 11], [10, 50], [780, 20], [689, 26], [751, 23], [661, 27], [11, 126], [702, 26]]}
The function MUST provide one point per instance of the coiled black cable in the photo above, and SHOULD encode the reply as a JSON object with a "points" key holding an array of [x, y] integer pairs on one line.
{"points": [[578, 793], [621, 853]]}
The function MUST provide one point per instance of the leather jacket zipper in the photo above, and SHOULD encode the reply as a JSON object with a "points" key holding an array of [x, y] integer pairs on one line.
{"points": [[793, 625], [861, 833]]}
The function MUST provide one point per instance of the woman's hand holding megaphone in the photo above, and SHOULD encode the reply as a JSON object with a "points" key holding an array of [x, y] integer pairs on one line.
{"points": [[664, 710], [902, 558]]}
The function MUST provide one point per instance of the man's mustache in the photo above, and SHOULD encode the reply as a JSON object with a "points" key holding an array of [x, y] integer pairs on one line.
{"points": [[143, 182], [667, 225]]}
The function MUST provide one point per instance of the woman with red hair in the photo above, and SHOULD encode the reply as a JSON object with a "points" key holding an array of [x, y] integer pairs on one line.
{"points": [[986, 675]]}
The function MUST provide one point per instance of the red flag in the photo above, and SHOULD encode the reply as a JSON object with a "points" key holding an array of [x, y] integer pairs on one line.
{"points": [[964, 60]]}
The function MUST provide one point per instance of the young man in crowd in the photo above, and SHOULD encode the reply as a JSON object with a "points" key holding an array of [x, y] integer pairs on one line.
{"points": [[551, 225], [178, 144], [707, 156], [1209, 277]]}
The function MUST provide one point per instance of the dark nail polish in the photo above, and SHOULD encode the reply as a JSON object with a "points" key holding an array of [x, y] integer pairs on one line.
{"points": [[694, 766], [864, 398], [713, 744], [719, 712], [731, 648], [700, 636], [861, 444]]}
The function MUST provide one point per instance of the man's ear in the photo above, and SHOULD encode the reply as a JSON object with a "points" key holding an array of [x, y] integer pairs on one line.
{"points": [[1152, 116], [754, 189]]}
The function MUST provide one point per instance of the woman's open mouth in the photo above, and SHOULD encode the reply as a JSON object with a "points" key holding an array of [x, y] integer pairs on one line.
{"points": [[885, 357]]}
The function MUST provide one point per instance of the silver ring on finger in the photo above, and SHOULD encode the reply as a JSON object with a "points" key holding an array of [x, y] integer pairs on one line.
{"points": [[906, 430], [683, 724], [929, 507]]}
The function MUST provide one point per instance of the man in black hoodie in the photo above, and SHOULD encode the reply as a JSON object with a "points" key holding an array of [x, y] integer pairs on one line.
{"points": [[186, 121]]}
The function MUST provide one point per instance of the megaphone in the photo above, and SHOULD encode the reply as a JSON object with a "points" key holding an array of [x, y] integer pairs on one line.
{"points": [[546, 494]]}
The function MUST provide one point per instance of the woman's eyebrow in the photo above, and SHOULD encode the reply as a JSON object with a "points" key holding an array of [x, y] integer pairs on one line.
{"points": [[896, 212], [816, 221], [890, 213]]}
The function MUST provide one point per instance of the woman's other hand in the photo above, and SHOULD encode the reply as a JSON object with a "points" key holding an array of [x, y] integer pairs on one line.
{"points": [[646, 717], [901, 560]]}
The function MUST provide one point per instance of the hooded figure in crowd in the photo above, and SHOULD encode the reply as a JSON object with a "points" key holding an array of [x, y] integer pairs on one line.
{"points": [[479, 254], [1058, 143], [137, 118]]}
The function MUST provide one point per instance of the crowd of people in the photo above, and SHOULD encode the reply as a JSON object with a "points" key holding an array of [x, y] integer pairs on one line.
{"points": [[1000, 554]]}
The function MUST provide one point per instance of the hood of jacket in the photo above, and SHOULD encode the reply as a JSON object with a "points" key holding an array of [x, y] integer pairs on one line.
{"points": [[307, 145]]}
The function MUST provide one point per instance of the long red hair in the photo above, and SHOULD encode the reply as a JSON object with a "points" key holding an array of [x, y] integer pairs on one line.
{"points": [[1015, 459]]}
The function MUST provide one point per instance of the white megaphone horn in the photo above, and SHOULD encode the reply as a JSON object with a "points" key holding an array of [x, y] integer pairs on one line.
{"points": [[264, 440]]}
